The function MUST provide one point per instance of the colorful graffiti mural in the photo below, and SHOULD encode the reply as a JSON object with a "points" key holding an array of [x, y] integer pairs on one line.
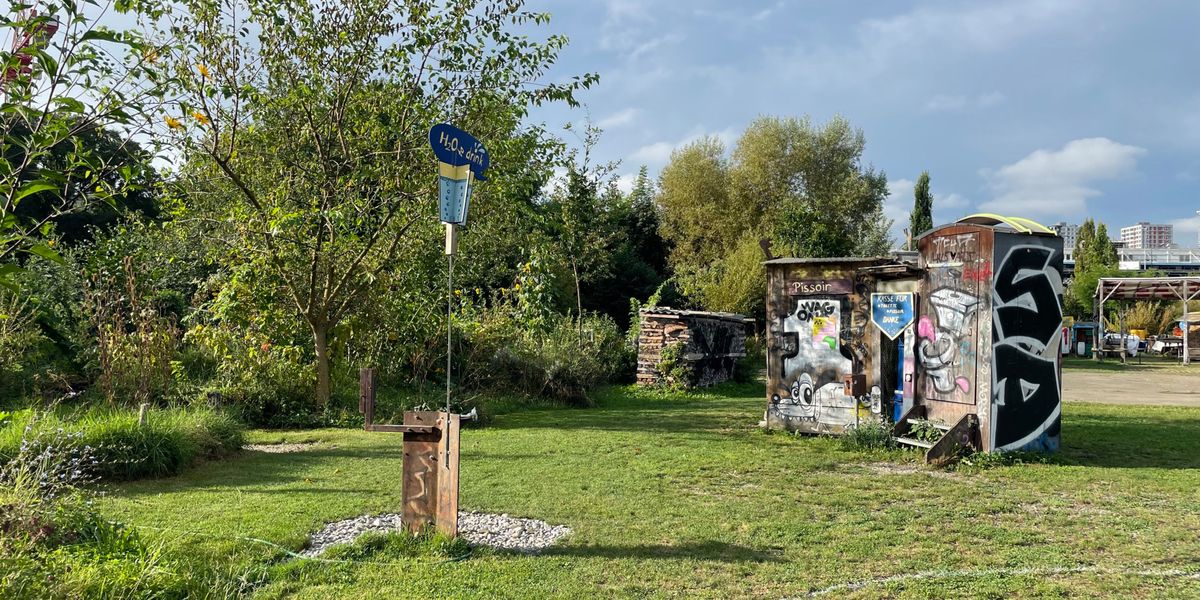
{"points": [[813, 367], [1026, 330], [948, 331]]}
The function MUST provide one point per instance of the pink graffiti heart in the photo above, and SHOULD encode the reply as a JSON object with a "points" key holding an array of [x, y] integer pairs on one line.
{"points": [[964, 384], [926, 330]]}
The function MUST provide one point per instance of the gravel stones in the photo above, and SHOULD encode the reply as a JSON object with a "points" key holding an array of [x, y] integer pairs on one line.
{"points": [[280, 448], [508, 533], [478, 529]]}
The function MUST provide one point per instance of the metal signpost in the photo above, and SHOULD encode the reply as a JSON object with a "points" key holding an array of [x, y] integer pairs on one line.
{"points": [[430, 490]]}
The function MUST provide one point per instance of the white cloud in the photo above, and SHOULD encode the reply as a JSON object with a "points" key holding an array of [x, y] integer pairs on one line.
{"points": [[957, 102], [943, 102], [1059, 181], [619, 118], [989, 99], [625, 182], [653, 44], [656, 153], [1187, 230], [659, 153]]}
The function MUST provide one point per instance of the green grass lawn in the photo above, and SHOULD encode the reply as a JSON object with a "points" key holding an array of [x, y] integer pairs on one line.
{"points": [[684, 496]]}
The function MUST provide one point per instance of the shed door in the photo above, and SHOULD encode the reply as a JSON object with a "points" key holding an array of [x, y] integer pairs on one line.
{"points": [[953, 305]]}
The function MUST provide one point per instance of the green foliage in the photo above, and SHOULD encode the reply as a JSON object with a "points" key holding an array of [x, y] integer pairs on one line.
{"points": [[65, 154], [56, 545], [920, 219], [869, 435], [925, 431], [751, 367], [563, 363], [1095, 258], [802, 186], [171, 440], [734, 283], [675, 372], [289, 134], [698, 217]]}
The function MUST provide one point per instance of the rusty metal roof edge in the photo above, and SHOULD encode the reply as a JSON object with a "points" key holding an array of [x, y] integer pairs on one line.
{"points": [[829, 259], [679, 312]]}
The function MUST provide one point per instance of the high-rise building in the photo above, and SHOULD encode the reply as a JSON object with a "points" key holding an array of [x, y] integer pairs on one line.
{"points": [[1147, 235], [1067, 231]]}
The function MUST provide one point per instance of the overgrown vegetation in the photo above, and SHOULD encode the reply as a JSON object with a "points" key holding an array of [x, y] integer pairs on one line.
{"points": [[54, 544], [117, 445]]}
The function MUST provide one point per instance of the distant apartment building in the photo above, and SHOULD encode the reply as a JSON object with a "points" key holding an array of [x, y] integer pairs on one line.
{"points": [[1067, 231], [1148, 235]]}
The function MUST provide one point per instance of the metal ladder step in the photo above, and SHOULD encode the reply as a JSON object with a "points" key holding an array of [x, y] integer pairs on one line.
{"points": [[935, 424], [914, 442]]}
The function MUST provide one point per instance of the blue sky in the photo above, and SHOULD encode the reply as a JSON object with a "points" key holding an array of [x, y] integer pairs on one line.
{"points": [[1048, 109]]}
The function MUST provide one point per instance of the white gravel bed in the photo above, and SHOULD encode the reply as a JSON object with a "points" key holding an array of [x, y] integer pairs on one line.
{"points": [[478, 529]]}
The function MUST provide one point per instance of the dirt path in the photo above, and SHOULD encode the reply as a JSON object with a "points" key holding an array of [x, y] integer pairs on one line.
{"points": [[1135, 387]]}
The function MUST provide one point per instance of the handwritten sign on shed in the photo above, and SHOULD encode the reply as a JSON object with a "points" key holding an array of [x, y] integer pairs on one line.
{"points": [[819, 287], [892, 313]]}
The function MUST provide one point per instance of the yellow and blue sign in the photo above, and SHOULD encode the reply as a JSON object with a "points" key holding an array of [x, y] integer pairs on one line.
{"points": [[892, 313], [461, 159]]}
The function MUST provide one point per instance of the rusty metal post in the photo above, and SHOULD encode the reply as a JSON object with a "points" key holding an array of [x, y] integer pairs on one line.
{"points": [[366, 396]]}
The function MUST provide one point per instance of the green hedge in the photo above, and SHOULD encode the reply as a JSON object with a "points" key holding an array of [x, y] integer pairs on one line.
{"points": [[171, 440]]}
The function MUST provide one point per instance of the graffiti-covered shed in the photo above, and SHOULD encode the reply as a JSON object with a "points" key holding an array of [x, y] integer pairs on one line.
{"points": [[989, 331], [827, 367]]}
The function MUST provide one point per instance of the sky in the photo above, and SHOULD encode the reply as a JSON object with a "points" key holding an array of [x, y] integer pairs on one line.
{"points": [[1055, 110]]}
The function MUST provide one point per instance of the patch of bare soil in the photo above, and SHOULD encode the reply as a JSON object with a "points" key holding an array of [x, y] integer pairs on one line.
{"points": [[886, 468]]}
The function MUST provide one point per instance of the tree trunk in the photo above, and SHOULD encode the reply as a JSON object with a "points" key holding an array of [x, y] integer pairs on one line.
{"points": [[321, 343]]}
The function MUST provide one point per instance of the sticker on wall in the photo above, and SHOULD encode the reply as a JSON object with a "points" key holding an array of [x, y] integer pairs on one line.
{"points": [[892, 313]]}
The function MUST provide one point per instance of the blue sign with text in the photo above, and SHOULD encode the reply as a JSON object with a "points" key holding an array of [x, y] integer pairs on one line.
{"points": [[461, 158], [892, 313]]}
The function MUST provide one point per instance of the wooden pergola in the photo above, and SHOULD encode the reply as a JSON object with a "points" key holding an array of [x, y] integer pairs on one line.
{"points": [[1148, 288]]}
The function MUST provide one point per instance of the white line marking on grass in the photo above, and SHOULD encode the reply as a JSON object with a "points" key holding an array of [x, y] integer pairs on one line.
{"points": [[947, 574]]}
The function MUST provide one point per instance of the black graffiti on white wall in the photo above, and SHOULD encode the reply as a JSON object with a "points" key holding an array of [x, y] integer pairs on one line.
{"points": [[1027, 316]]}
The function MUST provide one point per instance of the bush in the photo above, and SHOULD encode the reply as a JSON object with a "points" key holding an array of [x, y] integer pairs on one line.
{"points": [[869, 435], [563, 363], [170, 441], [55, 545]]}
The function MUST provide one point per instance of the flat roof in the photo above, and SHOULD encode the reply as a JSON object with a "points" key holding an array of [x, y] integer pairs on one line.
{"points": [[828, 260]]}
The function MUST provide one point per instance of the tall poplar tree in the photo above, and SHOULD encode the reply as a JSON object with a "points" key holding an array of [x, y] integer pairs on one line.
{"points": [[920, 219]]}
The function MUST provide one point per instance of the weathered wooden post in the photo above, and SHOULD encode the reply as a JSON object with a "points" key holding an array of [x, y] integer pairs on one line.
{"points": [[429, 484]]}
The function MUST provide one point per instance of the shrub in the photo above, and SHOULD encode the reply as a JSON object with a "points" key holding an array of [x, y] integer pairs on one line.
{"points": [[563, 362], [869, 435], [170, 441], [55, 545]]}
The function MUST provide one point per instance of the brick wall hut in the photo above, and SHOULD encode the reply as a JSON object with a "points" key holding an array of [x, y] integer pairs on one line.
{"points": [[709, 345]]}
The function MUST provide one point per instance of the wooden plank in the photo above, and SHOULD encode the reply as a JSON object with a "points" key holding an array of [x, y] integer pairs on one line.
{"points": [[420, 479], [914, 442], [963, 434], [401, 428], [448, 448]]}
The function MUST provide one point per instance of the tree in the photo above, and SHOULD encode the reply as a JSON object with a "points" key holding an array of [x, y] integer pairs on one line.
{"points": [[920, 219], [1084, 243], [698, 217], [802, 186], [75, 96], [1103, 251], [1095, 257], [306, 126]]}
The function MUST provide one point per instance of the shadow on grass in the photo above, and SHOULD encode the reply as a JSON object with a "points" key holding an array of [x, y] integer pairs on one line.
{"points": [[1121, 439], [707, 550]]}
